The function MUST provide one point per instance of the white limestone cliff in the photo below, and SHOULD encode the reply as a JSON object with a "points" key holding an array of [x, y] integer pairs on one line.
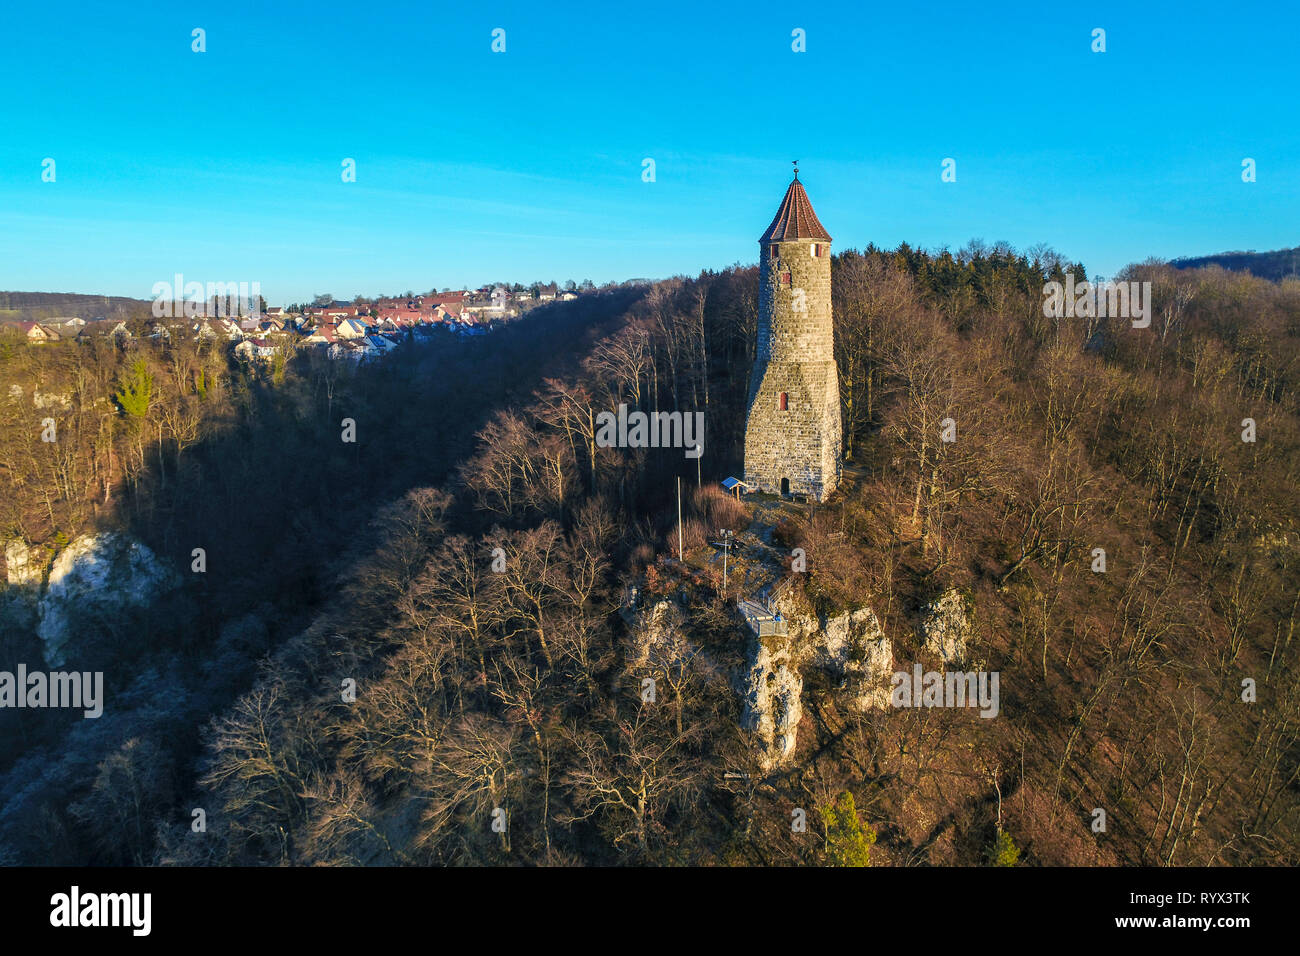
{"points": [[851, 646], [98, 574], [946, 626]]}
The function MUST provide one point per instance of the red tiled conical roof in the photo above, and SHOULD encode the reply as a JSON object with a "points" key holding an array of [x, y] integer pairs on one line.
{"points": [[795, 219]]}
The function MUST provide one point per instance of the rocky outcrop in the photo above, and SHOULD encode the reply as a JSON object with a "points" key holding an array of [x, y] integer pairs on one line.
{"points": [[771, 689], [946, 626], [851, 646], [99, 575], [651, 629], [41, 400], [854, 646], [51, 399], [22, 565]]}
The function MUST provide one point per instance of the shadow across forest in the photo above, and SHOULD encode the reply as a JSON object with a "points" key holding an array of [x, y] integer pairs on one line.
{"points": [[280, 505]]}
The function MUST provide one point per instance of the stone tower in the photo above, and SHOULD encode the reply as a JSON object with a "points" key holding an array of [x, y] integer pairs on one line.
{"points": [[792, 434]]}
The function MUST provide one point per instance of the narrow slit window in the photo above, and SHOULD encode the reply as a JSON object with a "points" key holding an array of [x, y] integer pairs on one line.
{"points": [[784, 403]]}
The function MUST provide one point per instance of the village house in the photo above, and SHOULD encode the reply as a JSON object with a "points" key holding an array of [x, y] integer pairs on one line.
{"points": [[323, 334], [259, 349], [496, 302], [350, 329], [37, 334], [217, 329], [380, 344], [402, 317]]}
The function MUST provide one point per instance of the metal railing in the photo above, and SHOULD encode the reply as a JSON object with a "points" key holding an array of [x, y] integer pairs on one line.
{"points": [[770, 628]]}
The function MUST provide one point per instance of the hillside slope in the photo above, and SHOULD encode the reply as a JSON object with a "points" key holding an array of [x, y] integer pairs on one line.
{"points": [[502, 711], [1275, 266]]}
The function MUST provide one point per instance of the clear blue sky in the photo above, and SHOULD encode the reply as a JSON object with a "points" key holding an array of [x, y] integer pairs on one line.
{"points": [[474, 166]]}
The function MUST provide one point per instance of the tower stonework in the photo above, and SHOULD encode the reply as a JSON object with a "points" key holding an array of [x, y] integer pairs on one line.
{"points": [[792, 434]]}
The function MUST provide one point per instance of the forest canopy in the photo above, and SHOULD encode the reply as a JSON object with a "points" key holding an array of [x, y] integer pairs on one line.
{"points": [[498, 714]]}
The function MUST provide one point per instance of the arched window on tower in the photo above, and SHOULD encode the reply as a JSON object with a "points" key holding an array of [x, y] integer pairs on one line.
{"points": [[783, 403]]}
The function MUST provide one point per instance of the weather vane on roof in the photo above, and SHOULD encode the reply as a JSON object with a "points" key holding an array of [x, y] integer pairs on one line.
{"points": [[796, 169]]}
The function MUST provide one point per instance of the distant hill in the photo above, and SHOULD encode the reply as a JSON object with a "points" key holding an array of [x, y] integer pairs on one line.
{"points": [[1277, 265], [36, 306]]}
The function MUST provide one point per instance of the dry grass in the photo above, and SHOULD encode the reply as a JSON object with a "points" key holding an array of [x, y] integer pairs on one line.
{"points": [[719, 509]]}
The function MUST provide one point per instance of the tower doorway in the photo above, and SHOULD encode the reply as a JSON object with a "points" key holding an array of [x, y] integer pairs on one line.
{"points": [[785, 487]]}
